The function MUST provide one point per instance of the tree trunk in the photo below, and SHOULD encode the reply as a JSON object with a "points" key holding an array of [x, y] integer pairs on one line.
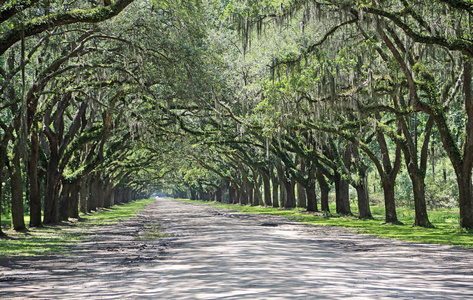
{"points": [[463, 171], [242, 196], [421, 216], [301, 196], [465, 198], [100, 192], [248, 187], [92, 194], [301, 193], [342, 199], [1, 190], [35, 195], [361, 185], [218, 195], [16, 185], [231, 195], [364, 211], [291, 193], [73, 211], [282, 186], [112, 195], [266, 187], [51, 205], [388, 178], [310, 190], [83, 194], [257, 190], [324, 191], [389, 202], [251, 193], [106, 193], [64, 199], [275, 188]]}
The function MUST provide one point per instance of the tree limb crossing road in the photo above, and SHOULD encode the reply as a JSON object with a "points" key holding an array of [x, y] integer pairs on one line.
{"points": [[219, 254]]}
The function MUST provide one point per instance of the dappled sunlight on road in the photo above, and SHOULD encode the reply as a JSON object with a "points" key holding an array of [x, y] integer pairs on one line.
{"points": [[214, 255]]}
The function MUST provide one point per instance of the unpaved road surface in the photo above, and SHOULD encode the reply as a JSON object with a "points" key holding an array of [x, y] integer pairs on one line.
{"points": [[218, 254]]}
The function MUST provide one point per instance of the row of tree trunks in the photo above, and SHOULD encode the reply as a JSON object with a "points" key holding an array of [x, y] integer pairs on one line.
{"points": [[275, 187], [85, 196]]}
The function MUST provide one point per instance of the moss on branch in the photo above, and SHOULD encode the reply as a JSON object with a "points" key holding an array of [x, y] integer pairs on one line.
{"points": [[41, 24]]}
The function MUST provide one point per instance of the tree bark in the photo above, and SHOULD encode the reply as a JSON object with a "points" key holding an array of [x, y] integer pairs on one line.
{"points": [[361, 185], [421, 216], [291, 193], [388, 179], [324, 191], [1, 190], [231, 195], [64, 199], [51, 206], [275, 188], [465, 195], [310, 190], [301, 196], [389, 202], [364, 211], [106, 193], [35, 195], [83, 195], [16, 184], [266, 187], [301, 189], [92, 194], [73, 211], [282, 186], [463, 170], [100, 192], [342, 199]]}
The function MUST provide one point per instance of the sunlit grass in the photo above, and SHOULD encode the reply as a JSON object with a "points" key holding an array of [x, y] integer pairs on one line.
{"points": [[114, 214], [57, 238], [447, 230]]}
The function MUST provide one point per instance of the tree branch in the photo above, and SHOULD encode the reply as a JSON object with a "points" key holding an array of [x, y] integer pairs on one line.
{"points": [[41, 24]]}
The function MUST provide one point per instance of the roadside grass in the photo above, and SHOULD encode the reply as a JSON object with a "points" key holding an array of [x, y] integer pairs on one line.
{"points": [[53, 239], [447, 230]]}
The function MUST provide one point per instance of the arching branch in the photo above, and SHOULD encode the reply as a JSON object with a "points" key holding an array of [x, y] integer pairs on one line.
{"points": [[41, 24]]}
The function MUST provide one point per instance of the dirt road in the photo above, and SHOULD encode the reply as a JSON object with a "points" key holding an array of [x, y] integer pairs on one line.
{"points": [[217, 254]]}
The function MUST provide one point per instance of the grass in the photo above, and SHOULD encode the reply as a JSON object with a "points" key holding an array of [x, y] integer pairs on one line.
{"points": [[447, 230], [150, 233], [57, 238]]}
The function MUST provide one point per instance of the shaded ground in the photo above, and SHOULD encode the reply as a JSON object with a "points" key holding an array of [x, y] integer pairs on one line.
{"points": [[217, 254]]}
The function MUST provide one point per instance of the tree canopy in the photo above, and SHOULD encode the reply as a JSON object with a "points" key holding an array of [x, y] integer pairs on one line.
{"points": [[252, 102]]}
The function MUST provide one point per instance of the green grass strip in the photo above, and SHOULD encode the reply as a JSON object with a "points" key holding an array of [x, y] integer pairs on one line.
{"points": [[447, 230], [55, 239]]}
